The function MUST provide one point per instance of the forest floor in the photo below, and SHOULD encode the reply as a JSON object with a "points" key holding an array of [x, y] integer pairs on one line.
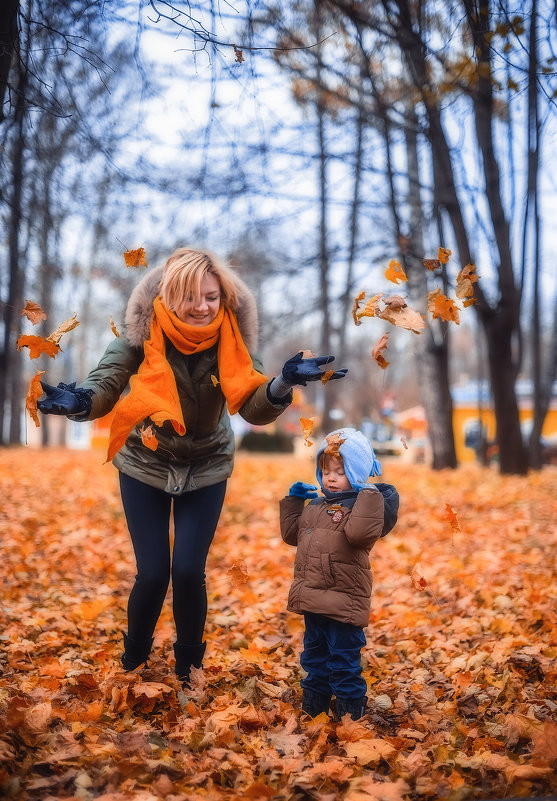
{"points": [[461, 655]]}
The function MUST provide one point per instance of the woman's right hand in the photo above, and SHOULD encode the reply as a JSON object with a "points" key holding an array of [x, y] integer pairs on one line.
{"points": [[58, 400]]}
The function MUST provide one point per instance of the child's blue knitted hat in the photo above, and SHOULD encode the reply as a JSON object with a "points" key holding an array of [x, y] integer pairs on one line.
{"points": [[357, 454]]}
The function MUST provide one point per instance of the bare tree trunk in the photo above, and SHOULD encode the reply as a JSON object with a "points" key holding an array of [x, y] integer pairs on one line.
{"points": [[8, 46], [432, 357], [10, 360]]}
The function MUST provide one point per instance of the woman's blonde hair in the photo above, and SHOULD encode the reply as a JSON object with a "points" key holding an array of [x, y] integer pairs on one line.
{"points": [[185, 270]]}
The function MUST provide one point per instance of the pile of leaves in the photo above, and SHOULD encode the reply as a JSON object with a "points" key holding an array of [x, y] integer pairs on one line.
{"points": [[460, 659]]}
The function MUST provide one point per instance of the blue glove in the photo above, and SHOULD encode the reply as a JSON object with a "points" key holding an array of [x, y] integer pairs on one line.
{"points": [[301, 490], [58, 400], [298, 370]]}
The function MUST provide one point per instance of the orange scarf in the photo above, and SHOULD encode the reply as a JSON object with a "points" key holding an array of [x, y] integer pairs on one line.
{"points": [[153, 392]]}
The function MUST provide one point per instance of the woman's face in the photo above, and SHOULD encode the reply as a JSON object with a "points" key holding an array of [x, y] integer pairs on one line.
{"points": [[206, 309]]}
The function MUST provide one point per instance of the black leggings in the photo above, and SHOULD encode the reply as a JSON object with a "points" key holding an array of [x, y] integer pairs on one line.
{"points": [[196, 515]]}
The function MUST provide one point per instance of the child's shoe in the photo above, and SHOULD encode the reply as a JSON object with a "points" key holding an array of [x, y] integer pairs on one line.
{"points": [[355, 707], [135, 652], [314, 703]]}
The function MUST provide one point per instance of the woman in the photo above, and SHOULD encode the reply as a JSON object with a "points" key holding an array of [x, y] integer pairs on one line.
{"points": [[190, 329]]}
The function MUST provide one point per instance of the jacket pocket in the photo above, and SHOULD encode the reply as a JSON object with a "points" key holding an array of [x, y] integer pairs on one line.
{"points": [[327, 569]]}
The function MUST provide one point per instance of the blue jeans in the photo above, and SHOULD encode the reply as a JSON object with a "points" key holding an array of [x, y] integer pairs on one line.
{"points": [[331, 657], [196, 515]]}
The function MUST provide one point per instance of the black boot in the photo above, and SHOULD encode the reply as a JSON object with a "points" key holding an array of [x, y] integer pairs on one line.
{"points": [[135, 652], [188, 656], [355, 707], [314, 703]]}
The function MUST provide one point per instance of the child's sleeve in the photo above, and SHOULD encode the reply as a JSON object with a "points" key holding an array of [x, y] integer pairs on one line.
{"points": [[391, 501], [291, 507], [365, 524]]}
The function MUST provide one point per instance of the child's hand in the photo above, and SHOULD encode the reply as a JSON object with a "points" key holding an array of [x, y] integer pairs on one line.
{"points": [[301, 490]]}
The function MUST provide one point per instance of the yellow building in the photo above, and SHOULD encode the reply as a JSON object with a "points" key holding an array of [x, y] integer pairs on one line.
{"points": [[472, 404]]}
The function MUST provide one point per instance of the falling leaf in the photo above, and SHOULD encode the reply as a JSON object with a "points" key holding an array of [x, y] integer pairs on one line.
{"points": [[378, 349], [37, 346], [33, 395], [33, 312], [465, 281], [307, 429], [148, 438], [418, 580], [326, 376], [451, 518], [395, 273], [215, 380], [404, 443], [444, 255], [63, 328], [114, 329], [398, 313], [135, 258], [442, 307], [239, 54], [238, 573], [356, 307], [432, 264], [334, 441]]}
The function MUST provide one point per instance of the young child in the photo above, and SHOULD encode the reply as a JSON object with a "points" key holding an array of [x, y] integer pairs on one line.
{"points": [[332, 579]]}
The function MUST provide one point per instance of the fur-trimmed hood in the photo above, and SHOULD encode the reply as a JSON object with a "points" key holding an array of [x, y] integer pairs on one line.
{"points": [[139, 310]]}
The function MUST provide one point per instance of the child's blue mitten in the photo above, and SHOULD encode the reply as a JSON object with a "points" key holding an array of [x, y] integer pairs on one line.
{"points": [[301, 490]]}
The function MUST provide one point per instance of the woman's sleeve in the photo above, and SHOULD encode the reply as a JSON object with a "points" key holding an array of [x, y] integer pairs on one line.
{"points": [[260, 408], [110, 377]]}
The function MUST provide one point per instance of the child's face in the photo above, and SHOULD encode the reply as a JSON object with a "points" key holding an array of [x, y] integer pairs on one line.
{"points": [[334, 477]]}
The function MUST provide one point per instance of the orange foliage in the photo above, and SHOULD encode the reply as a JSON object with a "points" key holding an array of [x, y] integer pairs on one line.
{"points": [[135, 258], [378, 349], [395, 273], [148, 438], [37, 346], [441, 306], [461, 679], [33, 312], [33, 395], [307, 428], [114, 329]]}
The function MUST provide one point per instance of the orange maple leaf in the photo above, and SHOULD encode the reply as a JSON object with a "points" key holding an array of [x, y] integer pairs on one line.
{"points": [[63, 328], [37, 346], [148, 438], [418, 580], [464, 282], [356, 307], [334, 441], [444, 255], [33, 395], [113, 327], [442, 307], [135, 258], [238, 573], [377, 351], [326, 376], [33, 312], [307, 428], [451, 518], [395, 273]]}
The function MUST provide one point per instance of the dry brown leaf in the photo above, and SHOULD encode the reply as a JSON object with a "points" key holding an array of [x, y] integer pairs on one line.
{"points": [[34, 393], [63, 328], [377, 351], [148, 438], [33, 312], [135, 258]]}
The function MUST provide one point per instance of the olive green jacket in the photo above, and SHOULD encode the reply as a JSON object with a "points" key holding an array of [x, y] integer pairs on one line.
{"points": [[205, 454]]}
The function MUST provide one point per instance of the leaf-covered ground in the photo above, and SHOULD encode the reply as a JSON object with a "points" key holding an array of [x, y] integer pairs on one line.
{"points": [[460, 660]]}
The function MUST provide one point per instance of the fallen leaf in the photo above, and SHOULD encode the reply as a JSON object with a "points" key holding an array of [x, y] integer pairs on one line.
{"points": [[307, 429], [465, 281], [148, 438], [395, 273], [377, 351], [239, 54], [135, 258], [63, 328], [451, 518], [334, 441], [33, 312], [444, 255], [238, 573], [114, 329], [37, 346], [326, 376], [34, 393], [442, 307], [215, 380], [356, 306], [432, 264], [418, 580]]}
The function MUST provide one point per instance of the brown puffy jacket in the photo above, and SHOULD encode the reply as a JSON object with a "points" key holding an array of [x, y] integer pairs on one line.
{"points": [[333, 538]]}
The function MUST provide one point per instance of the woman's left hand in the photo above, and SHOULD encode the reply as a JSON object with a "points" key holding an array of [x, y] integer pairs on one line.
{"points": [[298, 370]]}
